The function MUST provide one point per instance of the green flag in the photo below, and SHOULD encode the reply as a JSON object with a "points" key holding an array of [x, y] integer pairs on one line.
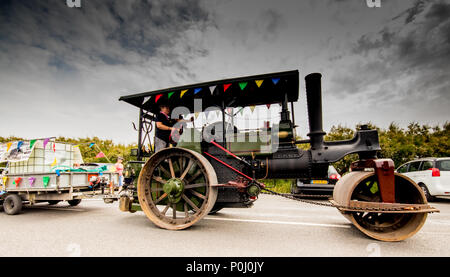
{"points": [[32, 142], [242, 85], [46, 180], [170, 94]]}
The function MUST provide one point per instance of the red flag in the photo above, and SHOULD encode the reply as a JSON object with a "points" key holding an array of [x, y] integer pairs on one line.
{"points": [[54, 148], [100, 155], [225, 87], [157, 97]]}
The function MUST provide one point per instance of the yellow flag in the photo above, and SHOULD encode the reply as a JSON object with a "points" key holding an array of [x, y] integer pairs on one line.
{"points": [[252, 108], [8, 145], [183, 92], [5, 179], [259, 82], [77, 145], [196, 115], [54, 163]]}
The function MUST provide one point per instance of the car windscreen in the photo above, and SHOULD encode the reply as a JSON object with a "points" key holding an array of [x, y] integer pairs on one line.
{"points": [[443, 165]]}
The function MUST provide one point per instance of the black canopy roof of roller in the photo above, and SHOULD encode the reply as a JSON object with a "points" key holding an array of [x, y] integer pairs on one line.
{"points": [[235, 92]]}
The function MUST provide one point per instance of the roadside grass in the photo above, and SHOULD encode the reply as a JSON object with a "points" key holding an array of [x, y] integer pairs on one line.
{"points": [[279, 185]]}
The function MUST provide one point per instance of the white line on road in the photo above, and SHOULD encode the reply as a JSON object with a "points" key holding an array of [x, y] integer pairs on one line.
{"points": [[280, 222]]}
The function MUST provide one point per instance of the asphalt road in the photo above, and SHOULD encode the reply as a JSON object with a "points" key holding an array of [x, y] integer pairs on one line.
{"points": [[273, 227]]}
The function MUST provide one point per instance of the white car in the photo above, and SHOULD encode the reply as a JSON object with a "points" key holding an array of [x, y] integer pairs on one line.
{"points": [[431, 174]]}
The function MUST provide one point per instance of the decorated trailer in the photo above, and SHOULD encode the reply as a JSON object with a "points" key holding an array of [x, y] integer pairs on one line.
{"points": [[44, 170]]}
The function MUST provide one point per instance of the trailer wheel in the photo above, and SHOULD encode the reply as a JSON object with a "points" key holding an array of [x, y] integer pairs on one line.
{"points": [[53, 202], [12, 204], [181, 180], [74, 202]]}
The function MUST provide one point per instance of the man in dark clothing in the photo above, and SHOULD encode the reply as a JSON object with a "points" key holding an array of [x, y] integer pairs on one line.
{"points": [[164, 127]]}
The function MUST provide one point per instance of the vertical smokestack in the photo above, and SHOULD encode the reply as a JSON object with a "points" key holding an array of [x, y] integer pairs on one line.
{"points": [[314, 102]]}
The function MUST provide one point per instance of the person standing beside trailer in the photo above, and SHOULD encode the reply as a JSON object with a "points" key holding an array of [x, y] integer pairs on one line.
{"points": [[119, 170]]}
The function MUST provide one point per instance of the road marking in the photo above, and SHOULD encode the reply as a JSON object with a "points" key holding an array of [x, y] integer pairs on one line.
{"points": [[280, 222]]}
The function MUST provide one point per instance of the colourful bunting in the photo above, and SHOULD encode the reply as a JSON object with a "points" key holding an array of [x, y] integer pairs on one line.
{"points": [[8, 146], [212, 89], [46, 180], [183, 92], [252, 108], [197, 90], [46, 141], [31, 180], [242, 85], [58, 173], [19, 145], [32, 142], [17, 181], [259, 82], [54, 147], [157, 97], [77, 145], [196, 115], [268, 106], [55, 162], [100, 155], [5, 180], [170, 94], [225, 87], [275, 80], [92, 144]]}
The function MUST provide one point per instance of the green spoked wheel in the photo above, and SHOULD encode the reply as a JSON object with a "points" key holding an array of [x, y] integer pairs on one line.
{"points": [[175, 188]]}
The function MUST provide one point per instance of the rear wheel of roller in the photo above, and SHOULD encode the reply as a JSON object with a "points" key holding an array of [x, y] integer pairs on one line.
{"points": [[363, 186], [174, 188]]}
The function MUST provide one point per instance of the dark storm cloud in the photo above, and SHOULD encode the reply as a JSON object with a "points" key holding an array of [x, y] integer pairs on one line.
{"points": [[418, 50], [98, 30]]}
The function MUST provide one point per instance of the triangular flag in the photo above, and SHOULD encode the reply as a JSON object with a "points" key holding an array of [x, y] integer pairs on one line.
{"points": [[170, 94], [225, 87], [54, 147], [92, 144], [54, 163], [46, 141], [275, 80], [31, 180], [252, 108], [230, 111], [5, 180], [196, 115], [212, 89], [76, 145], [46, 180], [259, 82], [242, 85], [100, 155], [8, 146], [17, 181], [146, 99], [32, 142], [157, 97], [268, 106], [197, 90], [19, 145], [183, 92]]}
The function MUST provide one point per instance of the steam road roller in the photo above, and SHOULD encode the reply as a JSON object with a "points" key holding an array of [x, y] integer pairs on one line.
{"points": [[223, 140]]}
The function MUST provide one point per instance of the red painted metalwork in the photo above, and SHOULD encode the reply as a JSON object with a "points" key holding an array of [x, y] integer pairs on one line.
{"points": [[227, 165], [384, 169]]}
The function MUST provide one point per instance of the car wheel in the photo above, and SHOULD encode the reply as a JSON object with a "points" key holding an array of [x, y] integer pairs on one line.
{"points": [[429, 197]]}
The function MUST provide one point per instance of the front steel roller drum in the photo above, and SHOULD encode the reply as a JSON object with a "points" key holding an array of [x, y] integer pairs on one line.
{"points": [[175, 188], [363, 186]]}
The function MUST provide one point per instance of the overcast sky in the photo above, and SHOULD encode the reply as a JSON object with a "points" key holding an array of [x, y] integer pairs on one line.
{"points": [[62, 70]]}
